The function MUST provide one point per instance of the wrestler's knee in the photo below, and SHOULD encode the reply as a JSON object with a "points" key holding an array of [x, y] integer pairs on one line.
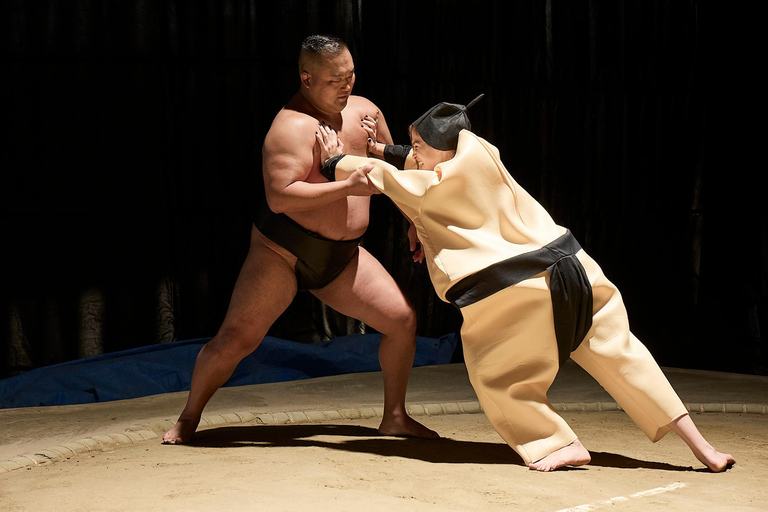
{"points": [[234, 342], [402, 320]]}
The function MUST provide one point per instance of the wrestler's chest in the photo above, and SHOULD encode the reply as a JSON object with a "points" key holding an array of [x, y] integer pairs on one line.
{"points": [[354, 137]]}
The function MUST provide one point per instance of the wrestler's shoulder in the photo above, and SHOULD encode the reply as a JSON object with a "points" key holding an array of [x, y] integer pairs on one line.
{"points": [[361, 101], [360, 104], [291, 122]]}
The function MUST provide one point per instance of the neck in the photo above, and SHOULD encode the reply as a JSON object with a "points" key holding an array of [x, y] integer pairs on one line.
{"points": [[313, 108]]}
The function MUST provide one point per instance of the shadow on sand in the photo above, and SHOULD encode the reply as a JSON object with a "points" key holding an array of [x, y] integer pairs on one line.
{"points": [[358, 439]]}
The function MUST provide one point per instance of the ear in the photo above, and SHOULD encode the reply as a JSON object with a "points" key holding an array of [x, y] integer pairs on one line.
{"points": [[305, 79]]}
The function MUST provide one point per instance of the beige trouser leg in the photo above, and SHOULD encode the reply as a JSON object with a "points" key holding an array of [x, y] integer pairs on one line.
{"points": [[622, 364], [510, 351]]}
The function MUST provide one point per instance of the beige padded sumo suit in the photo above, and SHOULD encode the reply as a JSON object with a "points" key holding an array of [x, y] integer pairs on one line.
{"points": [[470, 214]]}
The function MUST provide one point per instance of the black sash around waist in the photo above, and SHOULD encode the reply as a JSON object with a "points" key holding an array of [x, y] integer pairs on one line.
{"points": [[569, 287], [320, 260]]}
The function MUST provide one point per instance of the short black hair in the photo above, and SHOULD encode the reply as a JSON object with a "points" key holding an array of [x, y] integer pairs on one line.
{"points": [[323, 44], [317, 46]]}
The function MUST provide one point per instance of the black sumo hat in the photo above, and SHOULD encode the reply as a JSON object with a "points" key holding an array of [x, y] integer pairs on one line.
{"points": [[440, 125]]}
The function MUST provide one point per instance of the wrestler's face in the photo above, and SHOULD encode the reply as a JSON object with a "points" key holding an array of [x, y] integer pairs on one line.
{"points": [[327, 82], [427, 157]]}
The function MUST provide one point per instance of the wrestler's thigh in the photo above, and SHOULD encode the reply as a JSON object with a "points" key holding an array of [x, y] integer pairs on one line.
{"points": [[265, 287], [364, 290]]}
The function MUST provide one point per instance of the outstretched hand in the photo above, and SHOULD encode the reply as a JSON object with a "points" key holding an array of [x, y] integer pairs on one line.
{"points": [[415, 244], [359, 182], [371, 127], [329, 142]]}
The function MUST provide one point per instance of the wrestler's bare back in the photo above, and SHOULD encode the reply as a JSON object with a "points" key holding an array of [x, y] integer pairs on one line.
{"points": [[294, 129]]}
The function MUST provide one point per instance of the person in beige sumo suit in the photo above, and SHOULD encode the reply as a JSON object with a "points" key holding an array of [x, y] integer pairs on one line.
{"points": [[530, 297]]}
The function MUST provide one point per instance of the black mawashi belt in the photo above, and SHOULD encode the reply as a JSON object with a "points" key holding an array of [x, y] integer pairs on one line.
{"points": [[319, 260], [568, 285]]}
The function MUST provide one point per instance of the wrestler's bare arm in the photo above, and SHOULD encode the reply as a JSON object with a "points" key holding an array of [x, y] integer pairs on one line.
{"points": [[376, 150], [287, 163]]}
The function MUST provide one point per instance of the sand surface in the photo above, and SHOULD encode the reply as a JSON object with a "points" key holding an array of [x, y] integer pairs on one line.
{"points": [[346, 466]]}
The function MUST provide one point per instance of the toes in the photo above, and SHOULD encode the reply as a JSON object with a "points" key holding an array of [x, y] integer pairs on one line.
{"points": [[169, 438]]}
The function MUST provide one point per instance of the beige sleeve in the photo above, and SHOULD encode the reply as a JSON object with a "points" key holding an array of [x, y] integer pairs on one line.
{"points": [[410, 162], [405, 188]]}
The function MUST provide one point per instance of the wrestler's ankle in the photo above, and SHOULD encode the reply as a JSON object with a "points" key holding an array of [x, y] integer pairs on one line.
{"points": [[186, 417], [395, 413]]}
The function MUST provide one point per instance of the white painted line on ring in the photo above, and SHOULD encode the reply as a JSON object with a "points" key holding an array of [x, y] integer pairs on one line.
{"points": [[642, 494]]}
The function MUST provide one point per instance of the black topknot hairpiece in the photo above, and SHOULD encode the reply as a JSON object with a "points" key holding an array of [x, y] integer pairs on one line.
{"points": [[440, 125]]}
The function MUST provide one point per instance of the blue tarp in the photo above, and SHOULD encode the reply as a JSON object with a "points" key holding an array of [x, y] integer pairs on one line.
{"points": [[167, 367]]}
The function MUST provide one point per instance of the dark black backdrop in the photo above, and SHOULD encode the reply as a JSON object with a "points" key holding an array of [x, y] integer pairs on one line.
{"points": [[132, 130]]}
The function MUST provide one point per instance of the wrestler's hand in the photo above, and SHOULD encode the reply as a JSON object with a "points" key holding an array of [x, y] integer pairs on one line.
{"points": [[329, 143], [359, 183], [371, 127], [413, 238]]}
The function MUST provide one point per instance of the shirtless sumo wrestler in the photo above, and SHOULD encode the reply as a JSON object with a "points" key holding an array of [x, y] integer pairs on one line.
{"points": [[310, 242]]}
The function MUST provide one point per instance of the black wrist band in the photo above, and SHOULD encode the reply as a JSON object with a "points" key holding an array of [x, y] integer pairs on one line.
{"points": [[396, 155], [328, 170]]}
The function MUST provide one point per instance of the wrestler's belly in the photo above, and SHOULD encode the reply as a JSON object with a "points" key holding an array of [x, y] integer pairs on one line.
{"points": [[341, 220]]}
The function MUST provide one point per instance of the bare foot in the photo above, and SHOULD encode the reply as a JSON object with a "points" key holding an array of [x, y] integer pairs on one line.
{"points": [[182, 432], [572, 455], [714, 460], [404, 425]]}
